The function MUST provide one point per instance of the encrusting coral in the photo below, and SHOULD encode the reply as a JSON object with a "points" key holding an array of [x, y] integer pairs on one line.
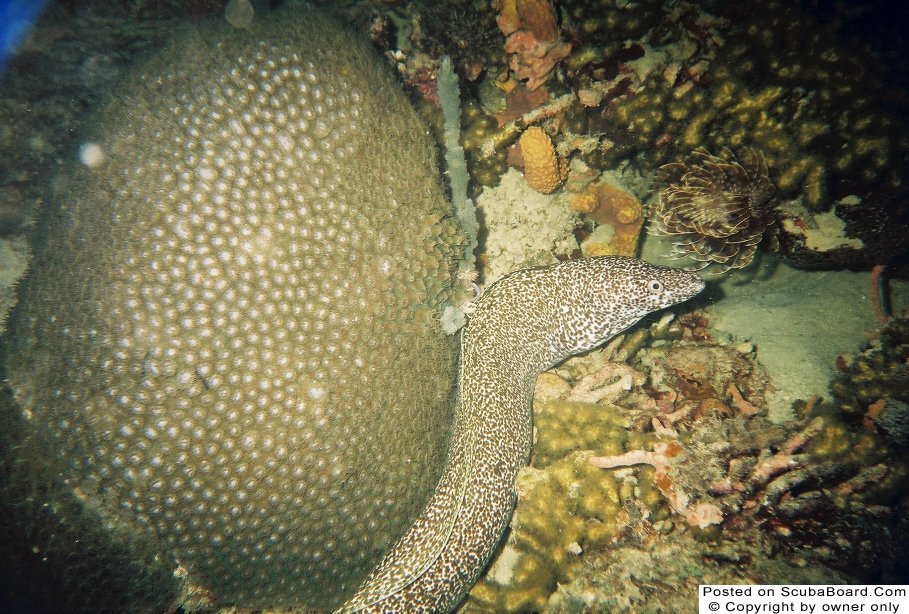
{"points": [[716, 208]]}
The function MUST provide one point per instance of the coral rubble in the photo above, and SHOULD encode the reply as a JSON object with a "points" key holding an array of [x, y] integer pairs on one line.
{"points": [[665, 471]]}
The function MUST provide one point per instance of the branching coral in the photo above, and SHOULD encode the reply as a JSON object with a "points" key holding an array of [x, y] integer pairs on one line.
{"points": [[717, 207]]}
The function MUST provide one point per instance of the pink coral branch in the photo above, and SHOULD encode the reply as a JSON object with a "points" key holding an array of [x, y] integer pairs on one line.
{"points": [[700, 515]]}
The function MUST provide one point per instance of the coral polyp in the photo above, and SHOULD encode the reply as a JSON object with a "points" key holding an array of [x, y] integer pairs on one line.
{"points": [[718, 208]]}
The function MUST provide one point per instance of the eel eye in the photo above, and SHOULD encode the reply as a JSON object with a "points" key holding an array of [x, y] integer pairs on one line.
{"points": [[654, 285]]}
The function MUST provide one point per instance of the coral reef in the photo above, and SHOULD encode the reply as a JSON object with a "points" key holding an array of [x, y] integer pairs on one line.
{"points": [[543, 170], [686, 79], [655, 463], [717, 209], [835, 140], [533, 42], [678, 78], [647, 82]]}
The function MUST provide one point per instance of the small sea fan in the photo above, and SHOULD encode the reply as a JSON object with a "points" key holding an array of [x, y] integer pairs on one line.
{"points": [[718, 208]]}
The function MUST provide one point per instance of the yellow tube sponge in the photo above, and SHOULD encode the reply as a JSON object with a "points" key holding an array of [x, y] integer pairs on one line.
{"points": [[542, 168]]}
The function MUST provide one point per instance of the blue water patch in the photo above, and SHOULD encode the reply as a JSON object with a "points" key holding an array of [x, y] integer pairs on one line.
{"points": [[16, 20]]}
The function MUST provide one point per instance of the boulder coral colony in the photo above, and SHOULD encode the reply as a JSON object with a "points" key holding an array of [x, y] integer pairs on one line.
{"points": [[610, 516], [197, 352]]}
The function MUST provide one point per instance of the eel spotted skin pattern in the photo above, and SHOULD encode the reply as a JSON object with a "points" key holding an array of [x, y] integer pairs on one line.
{"points": [[525, 323]]}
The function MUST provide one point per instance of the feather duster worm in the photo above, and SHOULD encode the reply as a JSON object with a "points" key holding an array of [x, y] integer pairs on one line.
{"points": [[718, 208]]}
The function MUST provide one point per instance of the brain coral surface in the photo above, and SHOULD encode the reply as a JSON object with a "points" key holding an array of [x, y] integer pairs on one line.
{"points": [[225, 360]]}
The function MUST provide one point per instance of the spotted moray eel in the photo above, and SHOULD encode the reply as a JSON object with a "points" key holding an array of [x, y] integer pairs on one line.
{"points": [[524, 323]]}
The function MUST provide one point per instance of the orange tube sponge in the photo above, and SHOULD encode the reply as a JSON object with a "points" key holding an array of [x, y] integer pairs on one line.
{"points": [[534, 42]]}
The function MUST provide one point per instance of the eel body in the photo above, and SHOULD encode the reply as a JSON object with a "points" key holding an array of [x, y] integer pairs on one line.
{"points": [[524, 323]]}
